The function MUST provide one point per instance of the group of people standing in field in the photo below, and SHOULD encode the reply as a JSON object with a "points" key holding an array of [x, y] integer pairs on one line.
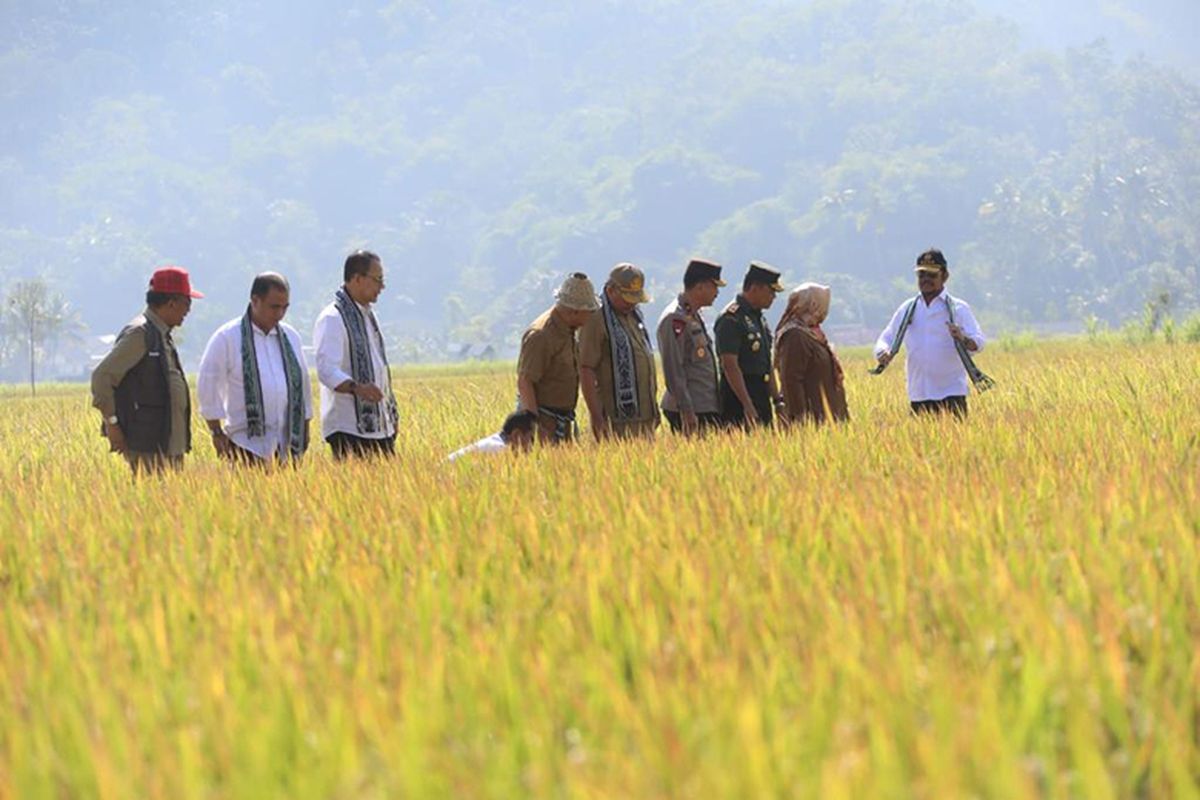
{"points": [[255, 395]]}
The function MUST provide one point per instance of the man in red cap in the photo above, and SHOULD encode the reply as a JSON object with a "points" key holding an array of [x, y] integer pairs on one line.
{"points": [[139, 387]]}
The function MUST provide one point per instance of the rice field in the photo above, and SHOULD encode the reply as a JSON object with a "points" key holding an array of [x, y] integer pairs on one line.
{"points": [[1002, 608]]}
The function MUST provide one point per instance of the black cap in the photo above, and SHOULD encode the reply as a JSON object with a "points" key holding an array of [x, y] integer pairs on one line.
{"points": [[930, 260], [762, 272], [700, 270]]}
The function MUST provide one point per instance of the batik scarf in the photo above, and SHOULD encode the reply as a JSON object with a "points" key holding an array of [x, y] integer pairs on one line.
{"points": [[368, 416], [256, 424], [625, 389]]}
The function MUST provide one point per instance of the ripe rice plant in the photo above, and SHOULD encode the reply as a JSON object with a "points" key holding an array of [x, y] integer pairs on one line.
{"points": [[1003, 607]]}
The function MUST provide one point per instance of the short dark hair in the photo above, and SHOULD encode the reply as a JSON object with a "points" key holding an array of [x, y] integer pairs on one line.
{"points": [[264, 282], [359, 263], [747, 283], [517, 421], [692, 279], [159, 299]]}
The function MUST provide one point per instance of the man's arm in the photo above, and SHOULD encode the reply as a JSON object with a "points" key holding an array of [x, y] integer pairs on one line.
{"points": [[883, 345], [967, 330], [737, 382], [593, 340], [329, 340], [128, 350], [212, 387], [674, 373], [591, 398], [530, 366]]}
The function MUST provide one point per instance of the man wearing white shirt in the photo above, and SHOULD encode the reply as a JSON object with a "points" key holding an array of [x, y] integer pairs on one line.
{"points": [[253, 386], [930, 325], [516, 435], [358, 408]]}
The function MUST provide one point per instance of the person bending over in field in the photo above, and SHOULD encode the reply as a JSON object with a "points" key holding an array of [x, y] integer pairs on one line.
{"points": [[140, 389], [253, 387], [942, 334], [548, 367], [516, 435], [809, 371]]}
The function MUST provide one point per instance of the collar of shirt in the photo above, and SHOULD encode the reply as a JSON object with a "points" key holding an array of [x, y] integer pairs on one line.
{"points": [[744, 307], [940, 295], [156, 321]]}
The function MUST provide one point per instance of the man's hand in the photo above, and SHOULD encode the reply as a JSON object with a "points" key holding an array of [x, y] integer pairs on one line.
{"points": [[221, 443], [368, 392], [884, 358], [600, 426], [750, 413], [691, 422], [960, 335], [116, 438]]}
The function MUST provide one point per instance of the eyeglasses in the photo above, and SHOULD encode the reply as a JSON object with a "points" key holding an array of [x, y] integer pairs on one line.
{"points": [[377, 278]]}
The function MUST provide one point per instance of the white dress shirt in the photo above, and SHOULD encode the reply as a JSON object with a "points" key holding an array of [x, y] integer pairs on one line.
{"points": [[333, 369], [935, 371], [221, 391], [489, 444]]}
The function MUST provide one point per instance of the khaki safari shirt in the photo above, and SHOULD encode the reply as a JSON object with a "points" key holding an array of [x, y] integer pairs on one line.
{"points": [[689, 363], [128, 350], [595, 352], [550, 361]]}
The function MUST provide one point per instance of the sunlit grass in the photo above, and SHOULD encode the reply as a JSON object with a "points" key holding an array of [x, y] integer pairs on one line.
{"points": [[1003, 608]]}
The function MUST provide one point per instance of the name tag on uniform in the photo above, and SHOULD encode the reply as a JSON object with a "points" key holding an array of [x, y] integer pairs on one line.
{"points": [[154, 354]]}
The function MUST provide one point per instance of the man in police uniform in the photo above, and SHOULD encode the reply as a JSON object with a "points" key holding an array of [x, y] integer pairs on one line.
{"points": [[616, 361], [692, 400], [748, 388], [548, 367]]}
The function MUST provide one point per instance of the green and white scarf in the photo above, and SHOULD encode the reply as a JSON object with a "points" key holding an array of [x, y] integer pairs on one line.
{"points": [[367, 415], [256, 424], [625, 389]]}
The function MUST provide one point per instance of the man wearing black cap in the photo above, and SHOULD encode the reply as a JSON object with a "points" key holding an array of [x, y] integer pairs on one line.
{"points": [[692, 400], [140, 389], [748, 389], [941, 333]]}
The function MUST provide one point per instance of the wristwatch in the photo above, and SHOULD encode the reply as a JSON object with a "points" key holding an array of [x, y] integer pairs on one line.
{"points": [[112, 420]]}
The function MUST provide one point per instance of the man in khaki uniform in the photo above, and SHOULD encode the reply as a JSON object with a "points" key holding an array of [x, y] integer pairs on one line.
{"points": [[616, 361], [548, 367], [692, 400], [140, 389]]}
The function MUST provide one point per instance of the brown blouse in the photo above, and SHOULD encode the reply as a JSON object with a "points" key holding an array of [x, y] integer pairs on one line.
{"points": [[808, 379]]}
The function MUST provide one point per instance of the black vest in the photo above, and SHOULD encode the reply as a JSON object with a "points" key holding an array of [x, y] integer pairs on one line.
{"points": [[144, 394]]}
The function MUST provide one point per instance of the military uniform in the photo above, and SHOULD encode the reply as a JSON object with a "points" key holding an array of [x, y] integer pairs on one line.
{"points": [[689, 365], [743, 331], [549, 360]]}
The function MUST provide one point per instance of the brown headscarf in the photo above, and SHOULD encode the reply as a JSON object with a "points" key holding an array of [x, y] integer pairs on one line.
{"points": [[807, 307]]}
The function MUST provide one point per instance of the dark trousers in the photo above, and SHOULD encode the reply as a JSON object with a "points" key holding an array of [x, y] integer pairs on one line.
{"points": [[759, 390], [956, 405], [345, 446], [708, 421], [143, 463]]}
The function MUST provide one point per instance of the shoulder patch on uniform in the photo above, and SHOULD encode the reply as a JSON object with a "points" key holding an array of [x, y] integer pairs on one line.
{"points": [[732, 308], [678, 325]]}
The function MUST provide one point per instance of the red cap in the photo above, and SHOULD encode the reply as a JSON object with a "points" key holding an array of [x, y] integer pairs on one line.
{"points": [[172, 280]]}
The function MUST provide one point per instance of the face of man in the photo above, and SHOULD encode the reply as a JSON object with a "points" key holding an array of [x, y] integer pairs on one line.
{"points": [[760, 295], [573, 318], [619, 303], [175, 310], [931, 283], [365, 289], [704, 293], [269, 310]]}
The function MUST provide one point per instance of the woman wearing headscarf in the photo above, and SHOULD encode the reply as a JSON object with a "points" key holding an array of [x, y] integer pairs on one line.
{"points": [[809, 372]]}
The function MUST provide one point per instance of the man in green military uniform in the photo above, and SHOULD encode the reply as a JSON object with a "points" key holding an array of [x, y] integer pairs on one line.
{"points": [[748, 389]]}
